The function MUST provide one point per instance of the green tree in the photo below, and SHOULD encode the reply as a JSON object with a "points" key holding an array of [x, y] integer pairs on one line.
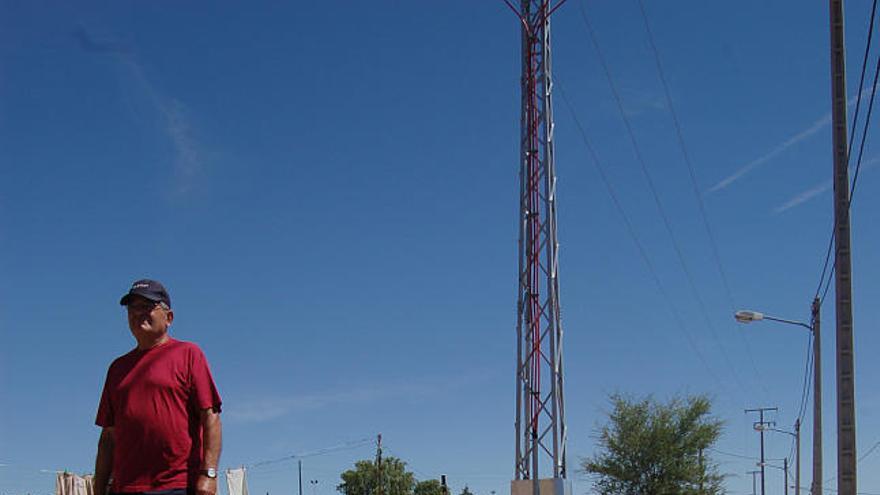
{"points": [[466, 491], [364, 478], [653, 448], [429, 487]]}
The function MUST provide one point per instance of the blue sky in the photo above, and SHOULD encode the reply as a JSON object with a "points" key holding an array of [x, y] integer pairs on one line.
{"points": [[329, 191]]}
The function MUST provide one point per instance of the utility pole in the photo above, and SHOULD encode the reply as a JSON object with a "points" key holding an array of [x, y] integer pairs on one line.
{"points": [[300, 464], [753, 473], [846, 412], [760, 426], [785, 474], [797, 453], [815, 325], [797, 462], [379, 465], [541, 434]]}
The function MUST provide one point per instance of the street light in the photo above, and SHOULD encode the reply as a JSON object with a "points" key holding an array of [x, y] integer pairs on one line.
{"points": [[748, 316]]}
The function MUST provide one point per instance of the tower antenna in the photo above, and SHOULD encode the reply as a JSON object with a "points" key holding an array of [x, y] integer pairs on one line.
{"points": [[540, 412]]}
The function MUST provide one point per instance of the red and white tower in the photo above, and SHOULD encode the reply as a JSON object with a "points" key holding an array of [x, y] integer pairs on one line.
{"points": [[540, 412]]}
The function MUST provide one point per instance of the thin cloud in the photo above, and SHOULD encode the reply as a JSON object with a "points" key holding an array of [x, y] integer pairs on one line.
{"points": [[813, 129], [188, 155], [797, 138], [639, 102], [804, 197], [187, 152], [272, 408], [819, 189], [269, 408], [93, 45]]}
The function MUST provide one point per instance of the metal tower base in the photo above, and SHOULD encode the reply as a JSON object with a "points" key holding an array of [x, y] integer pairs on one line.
{"points": [[546, 486]]}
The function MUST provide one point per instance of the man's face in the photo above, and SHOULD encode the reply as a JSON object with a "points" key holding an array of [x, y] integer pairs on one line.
{"points": [[148, 319]]}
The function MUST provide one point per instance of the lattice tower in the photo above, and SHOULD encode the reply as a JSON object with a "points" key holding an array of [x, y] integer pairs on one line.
{"points": [[540, 412]]}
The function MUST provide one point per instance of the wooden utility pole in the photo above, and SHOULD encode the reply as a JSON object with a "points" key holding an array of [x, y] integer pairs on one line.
{"points": [[785, 474], [797, 463], [760, 427], [379, 465]]}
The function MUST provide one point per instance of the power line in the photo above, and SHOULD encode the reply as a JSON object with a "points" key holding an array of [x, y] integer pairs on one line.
{"points": [[635, 238], [805, 391], [870, 451], [680, 135], [860, 459], [729, 454], [855, 175], [849, 149], [658, 203], [416, 471], [323, 451], [702, 207]]}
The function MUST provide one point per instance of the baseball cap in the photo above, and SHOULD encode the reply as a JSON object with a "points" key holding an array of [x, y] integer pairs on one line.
{"points": [[150, 289]]}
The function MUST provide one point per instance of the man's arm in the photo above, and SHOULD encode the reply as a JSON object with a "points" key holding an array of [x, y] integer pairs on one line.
{"points": [[212, 443], [104, 460]]}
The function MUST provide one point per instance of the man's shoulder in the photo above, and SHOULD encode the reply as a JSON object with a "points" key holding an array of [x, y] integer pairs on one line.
{"points": [[125, 358], [183, 345], [182, 349]]}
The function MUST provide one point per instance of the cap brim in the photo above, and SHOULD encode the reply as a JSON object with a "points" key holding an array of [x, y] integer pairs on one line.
{"points": [[126, 298]]}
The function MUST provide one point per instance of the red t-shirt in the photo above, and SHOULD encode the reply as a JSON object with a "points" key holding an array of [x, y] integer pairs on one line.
{"points": [[153, 399]]}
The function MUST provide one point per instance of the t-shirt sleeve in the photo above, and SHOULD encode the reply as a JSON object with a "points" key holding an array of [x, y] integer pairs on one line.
{"points": [[204, 392], [105, 416]]}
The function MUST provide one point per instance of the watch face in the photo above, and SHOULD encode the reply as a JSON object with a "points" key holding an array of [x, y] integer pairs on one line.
{"points": [[211, 473]]}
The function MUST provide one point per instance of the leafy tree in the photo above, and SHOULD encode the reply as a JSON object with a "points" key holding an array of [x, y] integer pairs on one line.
{"points": [[364, 478], [466, 491], [652, 448], [429, 487]]}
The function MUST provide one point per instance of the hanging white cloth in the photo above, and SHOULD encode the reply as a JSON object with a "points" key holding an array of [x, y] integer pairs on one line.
{"points": [[71, 484], [236, 481]]}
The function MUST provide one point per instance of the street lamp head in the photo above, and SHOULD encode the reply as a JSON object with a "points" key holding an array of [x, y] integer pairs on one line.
{"points": [[748, 316]]}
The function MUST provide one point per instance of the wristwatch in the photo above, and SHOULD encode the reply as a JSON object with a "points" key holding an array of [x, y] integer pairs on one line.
{"points": [[210, 472]]}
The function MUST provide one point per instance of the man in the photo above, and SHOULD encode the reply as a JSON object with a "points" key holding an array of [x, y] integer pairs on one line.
{"points": [[159, 411]]}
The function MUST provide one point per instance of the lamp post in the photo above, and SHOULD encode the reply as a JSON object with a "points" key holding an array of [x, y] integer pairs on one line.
{"points": [[746, 316]]}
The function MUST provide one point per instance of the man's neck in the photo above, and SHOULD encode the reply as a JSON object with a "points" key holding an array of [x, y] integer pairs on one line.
{"points": [[147, 345]]}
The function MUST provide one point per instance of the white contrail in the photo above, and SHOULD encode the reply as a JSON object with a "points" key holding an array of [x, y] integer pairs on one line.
{"points": [[813, 129], [187, 152], [804, 196], [820, 188]]}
